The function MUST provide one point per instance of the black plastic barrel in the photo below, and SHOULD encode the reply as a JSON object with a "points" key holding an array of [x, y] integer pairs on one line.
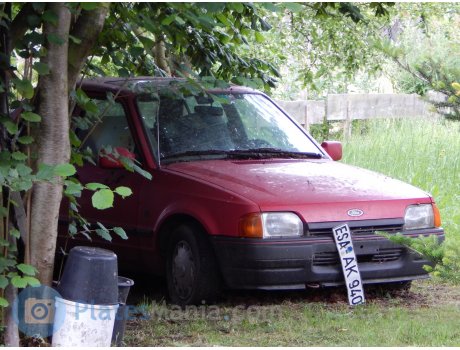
{"points": [[124, 285], [90, 276]]}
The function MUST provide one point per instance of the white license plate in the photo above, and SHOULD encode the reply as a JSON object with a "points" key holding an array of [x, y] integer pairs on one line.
{"points": [[343, 241]]}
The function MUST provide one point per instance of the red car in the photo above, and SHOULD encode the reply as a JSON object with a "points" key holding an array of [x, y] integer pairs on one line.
{"points": [[241, 196]]}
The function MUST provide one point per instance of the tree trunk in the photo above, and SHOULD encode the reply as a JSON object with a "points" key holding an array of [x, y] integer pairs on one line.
{"points": [[53, 146], [11, 335]]}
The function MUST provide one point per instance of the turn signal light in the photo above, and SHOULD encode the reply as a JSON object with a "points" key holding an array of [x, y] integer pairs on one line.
{"points": [[437, 216], [250, 226]]}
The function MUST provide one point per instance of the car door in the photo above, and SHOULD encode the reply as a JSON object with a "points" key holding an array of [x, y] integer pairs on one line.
{"points": [[113, 131]]}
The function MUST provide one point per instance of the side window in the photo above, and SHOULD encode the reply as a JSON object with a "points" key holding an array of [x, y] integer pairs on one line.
{"points": [[112, 129]]}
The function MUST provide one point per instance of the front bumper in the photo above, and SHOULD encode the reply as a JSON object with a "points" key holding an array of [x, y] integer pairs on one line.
{"points": [[293, 264]]}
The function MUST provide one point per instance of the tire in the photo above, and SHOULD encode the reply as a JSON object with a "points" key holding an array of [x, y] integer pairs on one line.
{"points": [[191, 270]]}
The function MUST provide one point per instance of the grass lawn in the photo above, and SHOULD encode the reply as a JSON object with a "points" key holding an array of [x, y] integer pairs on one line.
{"points": [[425, 153], [427, 315]]}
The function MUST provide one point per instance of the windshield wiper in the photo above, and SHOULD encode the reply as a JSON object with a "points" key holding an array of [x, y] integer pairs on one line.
{"points": [[275, 152], [253, 153], [196, 153]]}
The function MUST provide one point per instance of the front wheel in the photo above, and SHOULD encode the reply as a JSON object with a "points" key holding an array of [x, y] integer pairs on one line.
{"points": [[191, 270]]}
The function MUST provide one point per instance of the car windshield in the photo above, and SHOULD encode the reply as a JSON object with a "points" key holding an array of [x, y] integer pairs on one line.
{"points": [[213, 126]]}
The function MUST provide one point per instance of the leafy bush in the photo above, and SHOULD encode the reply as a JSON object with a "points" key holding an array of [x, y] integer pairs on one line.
{"points": [[444, 256]]}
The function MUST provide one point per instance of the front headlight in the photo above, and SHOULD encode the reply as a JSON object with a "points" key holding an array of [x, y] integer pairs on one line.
{"points": [[281, 225], [418, 217], [270, 225]]}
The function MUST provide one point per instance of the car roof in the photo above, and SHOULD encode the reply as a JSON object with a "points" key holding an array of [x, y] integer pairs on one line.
{"points": [[114, 84]]}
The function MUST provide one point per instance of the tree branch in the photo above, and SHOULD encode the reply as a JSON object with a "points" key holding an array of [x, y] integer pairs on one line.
{"points": [[87, 28]]}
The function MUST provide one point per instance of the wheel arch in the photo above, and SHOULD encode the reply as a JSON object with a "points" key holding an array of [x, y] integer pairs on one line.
{"points": [[164, 231]]}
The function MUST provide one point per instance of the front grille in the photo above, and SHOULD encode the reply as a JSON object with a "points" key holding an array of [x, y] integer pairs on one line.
{"points": [[358, 228], [383, 255], [326, 258], [387, 254]]}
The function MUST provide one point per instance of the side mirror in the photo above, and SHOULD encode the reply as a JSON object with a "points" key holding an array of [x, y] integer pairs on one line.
{"points": [[333, 148], [111, 161]]}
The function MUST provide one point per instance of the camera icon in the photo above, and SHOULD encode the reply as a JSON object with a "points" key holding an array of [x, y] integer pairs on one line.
{"points": [[39, 311]]}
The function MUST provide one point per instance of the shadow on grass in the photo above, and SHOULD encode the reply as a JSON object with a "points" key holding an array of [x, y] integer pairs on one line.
{"points": [[154, 289]]}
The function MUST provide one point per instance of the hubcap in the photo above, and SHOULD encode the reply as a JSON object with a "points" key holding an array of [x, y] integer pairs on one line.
{"points": [[183, 270]]}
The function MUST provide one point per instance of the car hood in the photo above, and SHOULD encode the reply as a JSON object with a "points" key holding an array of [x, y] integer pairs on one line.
{"points": [[317, 189]]}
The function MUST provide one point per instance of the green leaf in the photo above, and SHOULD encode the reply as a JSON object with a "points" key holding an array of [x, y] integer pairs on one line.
{"points": [[148, 43], [141, 171], [75, 39], [224, 20], [27, 269], [179, 21], [4, 302], [19, 282], [293, 6], [23, 170], [94, 186], [31, 281], [45, 172], [22, 185], [123, 72], [74, 140], [4, 262], [65, 170], [120, 232], [3, 212], [89, 6], [239, 7], [104, 234], [81, 97], [103, 199], [18, 156], [271, 6], [3, 282], [4, 243], [213, 7], [51, 17], [76, 158], [72, 229], [101, 226], [123, 191], [168, 20], [41, 68], [24, 87], [259, 37], [31, 117], [15, 233], [11, 127], [55, 39], [25, 140], [73, 188]]}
